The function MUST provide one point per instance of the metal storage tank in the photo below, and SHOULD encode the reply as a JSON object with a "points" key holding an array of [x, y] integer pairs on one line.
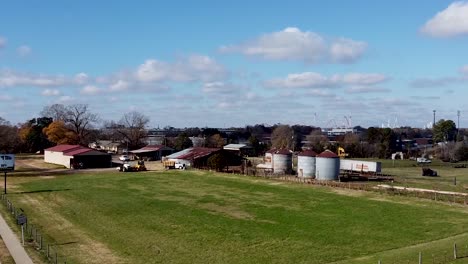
{"points": [[327, 166], [282, 161], [306, 164]]}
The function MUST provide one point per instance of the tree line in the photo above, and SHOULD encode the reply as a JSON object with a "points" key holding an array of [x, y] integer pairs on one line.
{"points": [[77, 124]]}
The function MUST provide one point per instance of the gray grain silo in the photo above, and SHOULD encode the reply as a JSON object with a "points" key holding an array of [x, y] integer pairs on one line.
{"points": [[306, 164], [282, 161], [327, 166]]}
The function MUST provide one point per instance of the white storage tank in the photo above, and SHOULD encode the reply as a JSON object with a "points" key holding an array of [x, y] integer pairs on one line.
{"points": [[282, 161], [327, 166], [306, 164]]}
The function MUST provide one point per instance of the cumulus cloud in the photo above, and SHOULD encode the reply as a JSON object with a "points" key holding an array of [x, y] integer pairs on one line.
{"points": [[317, 80], [220, 88], [81, 78], [24, 51], [50, 92], [295, 45], [119, 85], [366, 89], [9, 78], [453, 21], [90, 90], [347, 50], [187, 69]]}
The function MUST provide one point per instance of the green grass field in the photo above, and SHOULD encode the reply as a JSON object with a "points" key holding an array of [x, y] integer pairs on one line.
{"points": [[203, 217], [408, 173]]}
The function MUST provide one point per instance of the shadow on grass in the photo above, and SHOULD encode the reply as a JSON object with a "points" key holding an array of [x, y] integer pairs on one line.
{"points": [[43, 191]]}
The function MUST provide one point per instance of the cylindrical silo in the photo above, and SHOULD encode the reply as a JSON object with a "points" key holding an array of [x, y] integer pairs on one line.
{"points": [[306, 164], [327, 166], [282, 161]]}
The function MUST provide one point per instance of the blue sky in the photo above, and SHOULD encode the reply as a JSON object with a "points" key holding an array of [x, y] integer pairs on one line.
{"points": [[218, 64]]}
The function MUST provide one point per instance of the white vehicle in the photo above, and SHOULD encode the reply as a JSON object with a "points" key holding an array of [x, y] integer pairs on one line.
{"points": [[7, 162], [124, 158], [423, 160]]}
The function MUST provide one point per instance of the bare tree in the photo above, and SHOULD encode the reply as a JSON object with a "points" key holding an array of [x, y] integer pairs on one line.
{"points": [[317, 140], [132, 127], [80, 120], [282, 137], [56, 111]]}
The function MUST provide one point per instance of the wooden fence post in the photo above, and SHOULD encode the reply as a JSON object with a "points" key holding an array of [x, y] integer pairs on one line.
{"points": [[454, 250], [420, 257]]}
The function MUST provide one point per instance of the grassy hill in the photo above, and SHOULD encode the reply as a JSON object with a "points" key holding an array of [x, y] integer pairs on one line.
{"points": [[204, 217]]}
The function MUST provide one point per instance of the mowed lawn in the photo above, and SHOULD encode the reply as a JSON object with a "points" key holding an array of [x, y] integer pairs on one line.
{"points": [[204, 217]]}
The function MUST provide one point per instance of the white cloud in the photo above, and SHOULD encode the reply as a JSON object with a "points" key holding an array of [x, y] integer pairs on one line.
{"points": [[364, 78], [301, 80], [317, 80], [118, 86], [296, 45], [220, 88], [320, 93], [90, 90], [24, 51], [3, 42], [50, 92], [10, 79], [187, 69], [347, 50], [367, 89], [453, 21], [81, 78]]}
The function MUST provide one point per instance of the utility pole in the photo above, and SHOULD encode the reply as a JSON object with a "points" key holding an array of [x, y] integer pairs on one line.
{"points": [[433, 123], [458, 124]]}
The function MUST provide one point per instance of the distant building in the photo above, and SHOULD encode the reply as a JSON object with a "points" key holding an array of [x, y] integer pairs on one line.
{"points": [[152, 152], [193, 157], [72, 155], [239, 149], [340, 131]]}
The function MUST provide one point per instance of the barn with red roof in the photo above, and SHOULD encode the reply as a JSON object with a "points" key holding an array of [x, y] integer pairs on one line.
{"points": [[71, 156]]}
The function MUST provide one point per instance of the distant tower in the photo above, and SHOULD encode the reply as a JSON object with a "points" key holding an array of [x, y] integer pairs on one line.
{"points": [[458, 124], [433, 123]]}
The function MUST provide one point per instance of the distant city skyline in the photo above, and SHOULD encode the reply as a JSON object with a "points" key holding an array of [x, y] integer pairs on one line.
{"points": [[231, 64]]}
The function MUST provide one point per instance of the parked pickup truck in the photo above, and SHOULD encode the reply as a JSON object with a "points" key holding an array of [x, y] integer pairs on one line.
{"points": [[170, 164], [423, 160]]}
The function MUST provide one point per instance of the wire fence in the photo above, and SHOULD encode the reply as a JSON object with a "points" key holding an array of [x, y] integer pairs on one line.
{"points": [[31, 235], [440, 257]]}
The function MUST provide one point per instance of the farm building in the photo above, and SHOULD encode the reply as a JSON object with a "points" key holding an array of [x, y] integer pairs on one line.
{"points": [[239, 149], [71, 155], [193, 157], [197, 157], [152, 152]]}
